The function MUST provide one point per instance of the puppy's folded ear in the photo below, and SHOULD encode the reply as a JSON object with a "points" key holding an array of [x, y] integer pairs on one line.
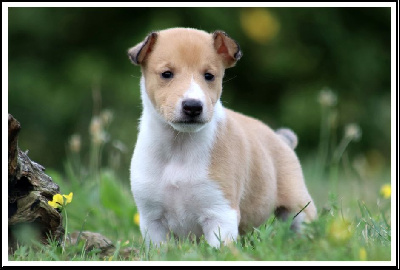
{"points": [[227, 48], [138, 53]]}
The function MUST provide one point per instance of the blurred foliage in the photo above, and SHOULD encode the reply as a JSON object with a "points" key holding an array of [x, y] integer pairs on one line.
{"points": [[68, 64]]}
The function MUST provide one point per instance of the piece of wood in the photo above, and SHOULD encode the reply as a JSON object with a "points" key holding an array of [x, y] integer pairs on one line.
{"points": [[29, 190], [105, 247]]}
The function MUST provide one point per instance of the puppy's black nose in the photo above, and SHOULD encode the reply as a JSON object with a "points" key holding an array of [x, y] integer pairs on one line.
{"points": [[192, 107]]}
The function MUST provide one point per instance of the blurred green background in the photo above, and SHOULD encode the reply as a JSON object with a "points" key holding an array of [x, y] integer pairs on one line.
{"points": [[66, 65]]}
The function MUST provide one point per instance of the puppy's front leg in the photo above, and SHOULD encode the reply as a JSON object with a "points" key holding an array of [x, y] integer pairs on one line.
{"points": [[154, 231], [220, 227]]}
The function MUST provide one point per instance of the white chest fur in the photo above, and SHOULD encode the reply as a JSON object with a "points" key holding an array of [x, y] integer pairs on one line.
{"points": [[170, 184]]}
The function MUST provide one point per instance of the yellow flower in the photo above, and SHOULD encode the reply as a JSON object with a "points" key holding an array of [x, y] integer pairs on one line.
{"points": [[58, 200], [136, 219], [363, 254], [339, 231], [68, 197], [386, 191], [259, 24]]}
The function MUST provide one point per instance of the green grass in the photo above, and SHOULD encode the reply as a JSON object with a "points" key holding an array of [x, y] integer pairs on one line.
{"points": [[106, 206]]}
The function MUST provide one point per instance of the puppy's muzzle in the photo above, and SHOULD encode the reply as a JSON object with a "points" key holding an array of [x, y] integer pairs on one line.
{"points": [[192, 108], [191, 116]]}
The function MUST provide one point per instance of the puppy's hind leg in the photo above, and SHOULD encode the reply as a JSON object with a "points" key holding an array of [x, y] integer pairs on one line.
{"points": [[298, 218], [284, 214], [293, 197]]}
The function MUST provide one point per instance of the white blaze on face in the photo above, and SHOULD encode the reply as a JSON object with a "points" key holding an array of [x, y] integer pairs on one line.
{"points": [[194, 92]]}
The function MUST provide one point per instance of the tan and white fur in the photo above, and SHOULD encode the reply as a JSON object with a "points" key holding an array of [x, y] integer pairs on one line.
{"points": [[199, 168]]}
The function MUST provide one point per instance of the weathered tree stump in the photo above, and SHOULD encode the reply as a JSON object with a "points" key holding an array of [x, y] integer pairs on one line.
{"points": [[29, 190]]}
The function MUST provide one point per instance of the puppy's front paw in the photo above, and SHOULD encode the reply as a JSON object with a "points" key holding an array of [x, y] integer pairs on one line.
{"points": [[221, 235]]}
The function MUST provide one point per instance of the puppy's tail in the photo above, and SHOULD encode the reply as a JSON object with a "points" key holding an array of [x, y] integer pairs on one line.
{"points": [[288, 136]]}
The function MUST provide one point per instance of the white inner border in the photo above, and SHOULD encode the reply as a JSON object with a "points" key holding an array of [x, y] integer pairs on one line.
{"points": [[394, 148]]}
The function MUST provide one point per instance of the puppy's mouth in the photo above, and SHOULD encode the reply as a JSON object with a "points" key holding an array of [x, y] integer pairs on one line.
{"points": [[190, 122], [188, 125]]}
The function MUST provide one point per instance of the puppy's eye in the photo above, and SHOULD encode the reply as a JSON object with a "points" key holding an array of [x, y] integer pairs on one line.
{"points": [[167, 75], [208, 76]]}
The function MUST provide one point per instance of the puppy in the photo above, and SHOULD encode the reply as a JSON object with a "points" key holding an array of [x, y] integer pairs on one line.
{"points": [[199, 168]]}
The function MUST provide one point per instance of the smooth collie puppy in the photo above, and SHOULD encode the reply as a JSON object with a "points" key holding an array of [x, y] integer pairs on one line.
{"points": [[199, 168]]}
